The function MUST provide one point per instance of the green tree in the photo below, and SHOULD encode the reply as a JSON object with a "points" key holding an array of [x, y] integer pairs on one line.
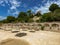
{"points": [[47, 17], [38, 14], [57, 11], [57, 15], [53, 7], [10, 19], [30, 14], [23, 17]]}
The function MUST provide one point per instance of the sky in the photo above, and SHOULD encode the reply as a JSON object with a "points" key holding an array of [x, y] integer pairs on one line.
{"points": [[13, 7]]}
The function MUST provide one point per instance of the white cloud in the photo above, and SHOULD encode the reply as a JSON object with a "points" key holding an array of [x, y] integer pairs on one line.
{"points": [[1, 17], [46, 6], [13, 12], [13, 5]]}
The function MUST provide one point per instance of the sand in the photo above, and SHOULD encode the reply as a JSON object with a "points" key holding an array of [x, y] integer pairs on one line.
{"points": [[14, 42], [37, 38]]}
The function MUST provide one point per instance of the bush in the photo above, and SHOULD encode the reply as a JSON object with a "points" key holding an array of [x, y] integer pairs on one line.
{"points": [[30, 20], [42, 27], [47, 17], [37, 21]]}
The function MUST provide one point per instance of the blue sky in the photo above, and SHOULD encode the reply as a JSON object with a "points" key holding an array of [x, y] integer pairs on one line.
{"points": [[13, 7]]}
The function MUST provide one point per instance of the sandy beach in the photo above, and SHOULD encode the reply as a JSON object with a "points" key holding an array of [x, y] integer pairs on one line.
{"points": [[36, 38]]}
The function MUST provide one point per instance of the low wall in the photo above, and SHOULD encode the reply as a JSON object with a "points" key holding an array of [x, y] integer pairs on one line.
{"points": [[34, 26]]}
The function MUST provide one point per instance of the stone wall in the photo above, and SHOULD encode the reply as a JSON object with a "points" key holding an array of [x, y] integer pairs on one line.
{"points": [[54, 26]]}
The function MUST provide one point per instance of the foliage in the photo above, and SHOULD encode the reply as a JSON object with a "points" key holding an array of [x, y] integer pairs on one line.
{"points": [[57, 15], [30, 20], [37, 21], [53, 7], [22, 17], [47, 17], [29, 12], [26, 17], [38, 14], [42, 27], [10, 19]]}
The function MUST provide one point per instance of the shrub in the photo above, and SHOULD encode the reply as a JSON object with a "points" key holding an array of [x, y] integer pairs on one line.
{"points": [[47, 17], [42, 27]]}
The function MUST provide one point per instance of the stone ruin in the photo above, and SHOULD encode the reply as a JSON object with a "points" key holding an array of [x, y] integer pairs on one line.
{"points": [[54, 26]]}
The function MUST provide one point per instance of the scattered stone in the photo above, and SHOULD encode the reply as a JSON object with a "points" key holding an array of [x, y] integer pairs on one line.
{"points": [[32, 31], [15, 31], [21, 34]]}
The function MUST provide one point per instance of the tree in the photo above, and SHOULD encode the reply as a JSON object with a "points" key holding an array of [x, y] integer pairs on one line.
{"points": [[47, 17], [23, 17], [57, 11], [38, 14], [57, 15], [53, 7], [30, 14], [5, 21], [10, 19]]}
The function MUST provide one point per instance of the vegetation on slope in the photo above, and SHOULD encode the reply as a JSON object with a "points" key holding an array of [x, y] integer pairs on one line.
{"points": [[25, 17]]}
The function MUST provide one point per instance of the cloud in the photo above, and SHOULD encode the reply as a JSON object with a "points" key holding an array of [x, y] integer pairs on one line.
{"points": [[13, 6], [2, 17], [46, 6], [13, 12]]}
